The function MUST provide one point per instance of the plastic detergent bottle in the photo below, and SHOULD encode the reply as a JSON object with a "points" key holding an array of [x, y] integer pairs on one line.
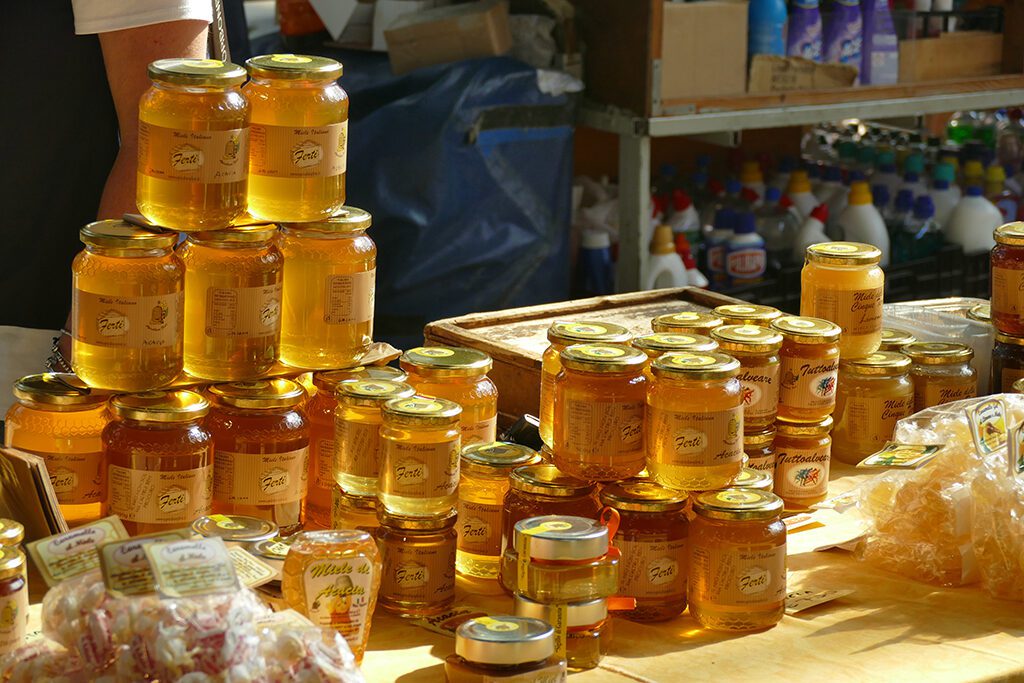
{"points": [[746, 258], [778, 225], [694, 277], [716, 200], [766, 27], [804, 37], [995, 189], [717, 241], [752, 179], [860, 221], [596, 272], [901, 209], [842, 41], [685, 219], [881, 198], [885, 172], [781, 178], [944, 193], [664, 267], [972, 222], [832, 182], [799, 192], [811, 232], [920, 236]]}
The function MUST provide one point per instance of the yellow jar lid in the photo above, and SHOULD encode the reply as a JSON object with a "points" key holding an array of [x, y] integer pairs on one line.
{"points": [[55, 388], [738, 504], [445, 361], [11, 532], [547, 480], [1009, 339], [116, 234], [844, 254], [12, 562], [938, 353], [291, 66], [192, 71], [602, 358], [235, 528], [762, 438], [747, 338], [577, 614], [567, 332], [438, 522], [349, 219], [686, 321], [328, 380], [497, 456], [786, 428], [894, 340], [178, 405], [1011, 234], [981, 312], [504, 641], [663, 342], [696, 366], [421, 410], [642, 495], [261, 394], [371, 393], [752, 314], [804, 330], [749, 478], [879, 363], [243, 234]]}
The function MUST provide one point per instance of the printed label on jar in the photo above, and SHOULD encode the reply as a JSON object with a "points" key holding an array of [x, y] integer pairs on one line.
{"points": [[349, 298], [873, 420], [929, 393], [652, 569], [808, 384], [484, 431], [323, 452], [760, 390], [479, 527], [698, 439], [261, 478], [245, 312], [149, 497], [1007, 292], [202, 156], [13, 619], [359, 449], [338, 595], [732, 576], [601, 428], [77, 478], [1009, 376], [135, 322], [418, 573], [762, 462], [422, 470], [802, 472], [290, 152], [856, 311]]}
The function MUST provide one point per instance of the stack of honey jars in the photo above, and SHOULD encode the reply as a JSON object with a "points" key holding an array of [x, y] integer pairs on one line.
{"points": [[1007, 307]]}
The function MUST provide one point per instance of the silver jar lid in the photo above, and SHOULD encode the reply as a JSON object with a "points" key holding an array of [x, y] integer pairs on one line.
{"points": [[504, 641], [561, 537], [586, 613]]}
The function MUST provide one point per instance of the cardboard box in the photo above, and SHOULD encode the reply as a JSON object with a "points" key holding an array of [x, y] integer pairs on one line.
{"points": [[448, 34], [769, 73], [952, 55], [703, 50], [386, 12]]}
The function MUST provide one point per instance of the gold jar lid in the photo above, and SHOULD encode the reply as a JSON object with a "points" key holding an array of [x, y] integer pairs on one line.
{"points": [[445, 361], [695, 366], [504, 641], [236, 528], [747, 338], [289, 66], [11, 532], [177, 405], [938, 353], [116, 234], [421, 410], [328, 380], [192, 71], [762, 438], [878, 364], [1018, 386], [804, 330], [568, 332], [497, 457], [749, 478], [243, 234], [371, 393], [844, 254], [1011, 234], [786, 428], [261, 394], [349, 219], [642, 495], [686, 321], [602, 358], [58, 389], [664, 342], [982, 313], [545, 479], [738, 504], [895, 340], [562, 537], [1009, 339], [439, 522], [12, 562], [747, 314], [577, 614]]}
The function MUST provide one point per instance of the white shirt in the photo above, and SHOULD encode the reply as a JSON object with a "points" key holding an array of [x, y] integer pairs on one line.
{"points": [[102, 16]]}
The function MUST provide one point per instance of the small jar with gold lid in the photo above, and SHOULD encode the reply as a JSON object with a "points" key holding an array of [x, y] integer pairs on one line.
{"points": [[353, 512], [561, 335], [11, 533], [660, 343], [737, 568], [694, 425], [418, 553], [13, 599], [759, 448], [875, 392], [583, 630], [747, 314], [358, 421], [895, 340], [757, 350], [261, 441], [1007, 263], [501, 648], [687, 322], [803, 453], [749, 478], [809, 367], [459, 375], [599, 412], [941, 372]]}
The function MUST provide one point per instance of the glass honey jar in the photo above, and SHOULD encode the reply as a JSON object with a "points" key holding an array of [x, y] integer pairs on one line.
{"points": [[502, 648], [895, 340], [694, 422], [330, 270], [843, 283], [1007, 262], [193, 159], [809, 368], [583, 630], [232, 303], [14, 602], [1007, 362], [11, 533], [418, 554], [747, 314], [599, 412], [459, 375], [298, 151], [127, 308], [875, 392], [63, 423], [332, 577], [561, 335], [749, 478], [261, 441], [357, 427], [160, 460], [541, 489], [420, 445], [687, 322], [759, 448], [484, 480], [757, 350], [652, 544], [803, 452], [660, 343], [354, 512], [737, 567], [941, 373]]}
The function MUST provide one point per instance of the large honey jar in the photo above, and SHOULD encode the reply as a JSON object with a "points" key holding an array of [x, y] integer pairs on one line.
{"points": [[357, 425], [757, 350], [809, 367], [193, 160], [875, 392], [127, 306]]}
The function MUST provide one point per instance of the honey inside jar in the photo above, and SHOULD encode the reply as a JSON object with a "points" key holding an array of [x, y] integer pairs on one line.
{"points": [[686, 322], [1007, 263], [193, 156], [757, 350], [875, 392], [418, 553], [941, 373], [747, 314], [354, 512], [803, 454], [357, 424], [809, 368]]}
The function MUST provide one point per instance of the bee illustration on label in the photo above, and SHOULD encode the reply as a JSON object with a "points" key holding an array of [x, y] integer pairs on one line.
{"points": [[158, 316], [806, 477], [339, 149], [231, 147]]}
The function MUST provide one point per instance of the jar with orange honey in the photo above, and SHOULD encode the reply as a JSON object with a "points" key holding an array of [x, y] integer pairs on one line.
{"points": [[687, 322], [357, 425], [757, 350], [875, 392], [541, 489], [660, 343], [459, 375], [759, 448], [941, 372], [747, 314], [809, 368], [1007, 262], [418, 554], [803, 452]]}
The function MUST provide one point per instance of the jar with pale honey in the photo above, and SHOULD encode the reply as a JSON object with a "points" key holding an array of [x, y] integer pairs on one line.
{"points": [[687, 322], [127, 308], [357, 425], [330, 270], [694, 421], [562, 334], [459, 375], [875, 392], [803, 453], [809, 368], [261, 441], [757, 350], [747, 314], [299, 138], [759, 448], [895, 340], [941, 373], [599, 412], [58, 419], [233, 281]]}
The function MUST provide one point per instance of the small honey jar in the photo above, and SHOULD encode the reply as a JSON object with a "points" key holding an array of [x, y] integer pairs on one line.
{"points": [[809, 367], [803, 452], [489, 649], [759, 448], [941, 372], [687, 322], [757, 350], [354, 512], [660, 343], [875, 392], [357, 423], [583, 630], [418, 576], [895, 340]]}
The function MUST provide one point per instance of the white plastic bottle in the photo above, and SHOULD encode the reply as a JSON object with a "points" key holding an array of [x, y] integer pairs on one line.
{"points": [[860, 221], [811, 232], [799, 192], [746, 259], [685, 220], [664, 267], [751, 178], [832, 182], [716, 242], [972, 222], [944, 193]]}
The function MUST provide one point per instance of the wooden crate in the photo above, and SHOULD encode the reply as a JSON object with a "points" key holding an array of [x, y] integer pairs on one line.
{"points": [[516, 338]]}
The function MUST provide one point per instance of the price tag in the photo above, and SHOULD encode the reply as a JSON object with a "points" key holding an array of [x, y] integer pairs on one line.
{"points": [[901, 456], [74, 552], [194, 567], [798, 601], [988, 426]]}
